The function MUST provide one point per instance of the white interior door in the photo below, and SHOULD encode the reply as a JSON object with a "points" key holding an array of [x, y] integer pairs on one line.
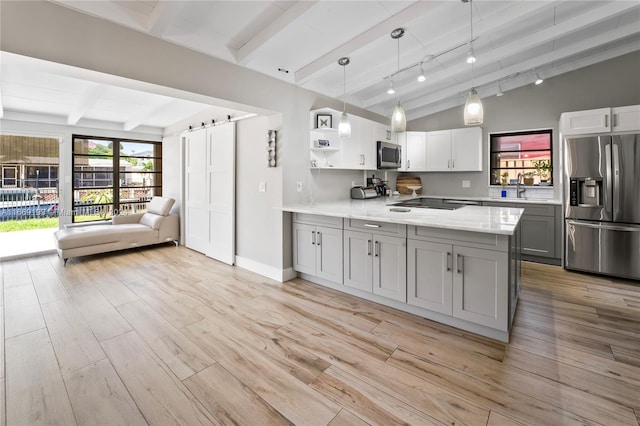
{"points": [[196, 215], [221, 183], [209, 191]]}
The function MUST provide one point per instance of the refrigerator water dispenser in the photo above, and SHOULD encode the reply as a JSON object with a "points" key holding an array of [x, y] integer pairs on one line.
{"points": [[585, 192]]}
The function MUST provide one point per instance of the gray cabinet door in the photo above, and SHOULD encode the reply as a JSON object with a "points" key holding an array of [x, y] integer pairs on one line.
{"points": [[358, 260], [304, 248], [430, 275], [538, 235], [329, 254], [390, 267], [480, 286]]}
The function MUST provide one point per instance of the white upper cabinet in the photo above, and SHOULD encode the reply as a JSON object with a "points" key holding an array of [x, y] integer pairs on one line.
{"points": [[625, 119], [438, 145], [359, 151], [455, 150], [416, 152], [466, 149], [583, 122], [602, 120]]}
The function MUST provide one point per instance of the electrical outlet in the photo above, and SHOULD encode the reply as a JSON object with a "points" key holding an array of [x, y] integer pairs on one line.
{"points": [[353, 183], [262, 187], [299, 186], [466, 184]]}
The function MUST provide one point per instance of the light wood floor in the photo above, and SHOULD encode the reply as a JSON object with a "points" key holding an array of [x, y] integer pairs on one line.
{"points": [[166, 336]]}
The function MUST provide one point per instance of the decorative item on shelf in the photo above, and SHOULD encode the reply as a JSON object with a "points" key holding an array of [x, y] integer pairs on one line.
{"points": [[321, 143], [543, 169], [323, 121], [344, 127], [271, 148], [473, 112], [398, 117], [527, 178]]}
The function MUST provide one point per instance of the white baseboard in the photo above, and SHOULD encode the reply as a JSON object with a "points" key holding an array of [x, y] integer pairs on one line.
{"points": [[277, 274]]}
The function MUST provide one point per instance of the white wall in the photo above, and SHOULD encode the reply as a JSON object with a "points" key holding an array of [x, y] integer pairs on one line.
{"points": [[64, 135], [611, 83]]}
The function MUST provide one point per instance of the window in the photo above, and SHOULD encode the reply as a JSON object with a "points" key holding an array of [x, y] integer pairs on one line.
{"points": [[526, 153], [114, 176]]}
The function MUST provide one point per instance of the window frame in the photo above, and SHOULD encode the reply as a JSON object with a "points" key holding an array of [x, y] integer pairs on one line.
{"points": [[491, 152], [116, 185]]}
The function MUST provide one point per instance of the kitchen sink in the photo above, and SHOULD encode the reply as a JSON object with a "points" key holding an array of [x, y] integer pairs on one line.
{"points": [[427, 203]]}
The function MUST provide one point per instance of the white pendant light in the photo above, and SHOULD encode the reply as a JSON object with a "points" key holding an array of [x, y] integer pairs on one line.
{"points": [[344, 127], [473, 112], [398, 117]]}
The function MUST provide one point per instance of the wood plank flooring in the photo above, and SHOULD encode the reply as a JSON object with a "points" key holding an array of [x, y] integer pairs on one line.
{"points": [[164, 335]]}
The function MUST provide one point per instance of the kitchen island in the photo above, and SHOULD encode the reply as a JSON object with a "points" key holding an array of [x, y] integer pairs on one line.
{"points": [[459, 267]]}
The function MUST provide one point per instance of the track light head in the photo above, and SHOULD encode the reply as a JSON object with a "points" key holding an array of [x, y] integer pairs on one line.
{"points": [[391, 90]]}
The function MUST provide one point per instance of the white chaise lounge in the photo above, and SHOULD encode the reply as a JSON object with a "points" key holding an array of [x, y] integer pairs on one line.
{"points": [[155, 226]]}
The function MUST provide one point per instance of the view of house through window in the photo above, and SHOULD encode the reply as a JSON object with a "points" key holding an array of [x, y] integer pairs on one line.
{"points": [[114, 176], [28, 182], [526, 153]]}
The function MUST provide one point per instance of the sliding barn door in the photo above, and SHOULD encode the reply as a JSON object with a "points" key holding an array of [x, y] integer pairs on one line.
{"points": [[210, 191]]}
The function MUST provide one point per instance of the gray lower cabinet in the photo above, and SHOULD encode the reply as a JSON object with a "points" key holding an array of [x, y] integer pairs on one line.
{"points": [[538, 235], [430, 275], [317, 250], [480, 286], [376, 263]]}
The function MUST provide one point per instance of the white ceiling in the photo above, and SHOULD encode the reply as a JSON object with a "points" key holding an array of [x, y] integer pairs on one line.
{"points": [[514, 39]]}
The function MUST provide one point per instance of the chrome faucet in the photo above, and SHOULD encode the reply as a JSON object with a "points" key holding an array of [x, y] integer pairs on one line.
{"points": [[518, 190]]}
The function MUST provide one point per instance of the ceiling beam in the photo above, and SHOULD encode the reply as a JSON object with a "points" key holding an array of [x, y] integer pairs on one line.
{"points": [[417, 102], [383, 29], [109, 10], [145, 113], [87, 100], [592, 17], [162, 15], [250, 48]]}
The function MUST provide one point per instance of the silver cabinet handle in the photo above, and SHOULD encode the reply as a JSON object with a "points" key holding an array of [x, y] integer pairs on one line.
{"points": [[448, 261], [459, 263], [615, 120], [606, 120], [313, 237], [376, 250], [371, 225], [408, 164], [368, 247], [319, 238], [363, 160]]}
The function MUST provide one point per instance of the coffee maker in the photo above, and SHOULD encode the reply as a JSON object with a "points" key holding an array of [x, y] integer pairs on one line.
{"points": [[379, 185]]}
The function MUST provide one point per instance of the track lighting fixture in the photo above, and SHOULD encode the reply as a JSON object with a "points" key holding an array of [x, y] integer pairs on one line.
{"points": [[499, 90], [344, 127], [391, 90], [539, 79], [421, 76], [471, 57]]}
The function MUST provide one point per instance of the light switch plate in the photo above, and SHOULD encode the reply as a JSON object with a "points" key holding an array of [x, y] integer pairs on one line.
{"points": [[466, 184], [262, 187], [299, 186]]}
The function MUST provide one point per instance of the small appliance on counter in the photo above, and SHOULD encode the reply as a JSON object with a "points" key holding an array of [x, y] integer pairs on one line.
{"points": [[362, 192], [381, 187]]}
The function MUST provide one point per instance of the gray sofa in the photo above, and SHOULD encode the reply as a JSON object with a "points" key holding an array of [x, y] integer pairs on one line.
{"points": [[154, 226]]}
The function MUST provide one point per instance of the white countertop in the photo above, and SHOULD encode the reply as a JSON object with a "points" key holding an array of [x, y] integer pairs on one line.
{"points": [[490, 220]]}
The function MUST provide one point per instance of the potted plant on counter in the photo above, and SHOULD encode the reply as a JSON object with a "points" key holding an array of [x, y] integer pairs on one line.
{"points": [[527, 178], [543, 169]]}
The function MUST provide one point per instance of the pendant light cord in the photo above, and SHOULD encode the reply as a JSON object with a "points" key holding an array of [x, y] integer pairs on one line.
{"points": [[344, 88], [398, 72], [471, 38]]}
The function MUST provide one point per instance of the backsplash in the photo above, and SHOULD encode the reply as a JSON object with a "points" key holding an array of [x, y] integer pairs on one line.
{"points": [[544, 193]]}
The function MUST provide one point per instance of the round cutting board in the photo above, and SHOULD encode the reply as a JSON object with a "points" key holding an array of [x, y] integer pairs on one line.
{"points": [[403, 181]]}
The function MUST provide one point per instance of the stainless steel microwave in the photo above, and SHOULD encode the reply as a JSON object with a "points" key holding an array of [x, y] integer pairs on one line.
{"points": [[389, 155]]}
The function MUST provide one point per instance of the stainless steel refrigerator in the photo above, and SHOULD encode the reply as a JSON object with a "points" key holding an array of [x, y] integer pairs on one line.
{"points": [[602, 204]]}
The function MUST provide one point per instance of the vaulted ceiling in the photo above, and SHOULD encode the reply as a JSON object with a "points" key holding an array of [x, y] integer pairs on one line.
{"points": [[301, 42]]}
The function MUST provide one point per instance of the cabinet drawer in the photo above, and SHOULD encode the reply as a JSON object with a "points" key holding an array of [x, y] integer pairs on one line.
{"points": [[316, 219], [395, 229], [465, 238], [537, 209]]}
